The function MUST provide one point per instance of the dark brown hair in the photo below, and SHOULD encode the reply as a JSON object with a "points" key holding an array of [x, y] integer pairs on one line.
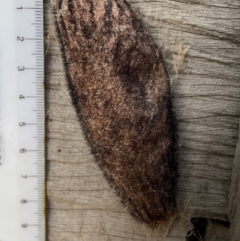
{"points": [[121, 93]]}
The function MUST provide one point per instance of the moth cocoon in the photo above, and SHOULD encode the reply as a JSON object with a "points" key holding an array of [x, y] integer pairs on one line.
{"points": [[121, 93]]}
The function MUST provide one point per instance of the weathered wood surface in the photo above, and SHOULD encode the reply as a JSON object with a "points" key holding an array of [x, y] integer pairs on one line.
{"points": [[234, 202], [216, 232], [200, 41]]}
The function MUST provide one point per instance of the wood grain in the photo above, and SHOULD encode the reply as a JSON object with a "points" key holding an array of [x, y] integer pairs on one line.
{"points": [[200, 41], [234, 197]]}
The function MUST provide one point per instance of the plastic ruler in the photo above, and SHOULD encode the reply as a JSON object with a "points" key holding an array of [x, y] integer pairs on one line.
{"points": [[22, 164]]}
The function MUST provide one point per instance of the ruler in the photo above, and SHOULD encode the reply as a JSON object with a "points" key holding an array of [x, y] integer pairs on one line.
{"points": [[22, 184]]}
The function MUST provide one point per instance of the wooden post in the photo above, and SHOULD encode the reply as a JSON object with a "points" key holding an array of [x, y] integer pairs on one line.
{"points": [[200, 43]]}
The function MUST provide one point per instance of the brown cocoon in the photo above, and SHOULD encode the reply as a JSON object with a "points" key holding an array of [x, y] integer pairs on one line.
{"points": [[121, 93]]}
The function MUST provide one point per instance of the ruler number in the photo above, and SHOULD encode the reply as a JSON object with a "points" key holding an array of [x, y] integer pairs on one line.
{"points": [[20, 8], [21, 68], [24, 201], [24, 225], [21, 97], [20, 39], [22, 124], [23, 150], [24, 176]]}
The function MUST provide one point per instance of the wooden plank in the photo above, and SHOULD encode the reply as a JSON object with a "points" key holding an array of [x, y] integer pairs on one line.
{"points": [[200, 43], [234, 197]]}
